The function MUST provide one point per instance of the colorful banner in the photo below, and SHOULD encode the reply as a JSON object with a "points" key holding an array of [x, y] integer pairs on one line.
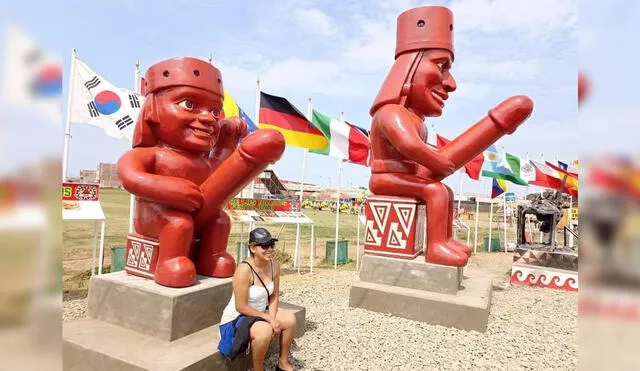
{"points": [[263, 204], [81, 201], [248, 210]]}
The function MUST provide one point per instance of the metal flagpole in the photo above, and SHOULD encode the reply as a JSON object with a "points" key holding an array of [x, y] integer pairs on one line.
{"points": [[475, 239], [504, 215], [335, 247], [304, 167], [455, 234], [358, 240], [256, 120], [67, 130], [132, 198], [490, 220]]}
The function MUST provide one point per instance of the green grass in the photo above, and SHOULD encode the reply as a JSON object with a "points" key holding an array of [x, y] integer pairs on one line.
{"points": [[78, 237]]}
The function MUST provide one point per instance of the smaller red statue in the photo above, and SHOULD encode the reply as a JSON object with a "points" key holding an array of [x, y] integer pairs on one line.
{"points": [[185, 165], [416, 87]]}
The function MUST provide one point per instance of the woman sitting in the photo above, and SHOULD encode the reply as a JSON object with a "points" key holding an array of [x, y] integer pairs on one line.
{"points": [[252, 315]]}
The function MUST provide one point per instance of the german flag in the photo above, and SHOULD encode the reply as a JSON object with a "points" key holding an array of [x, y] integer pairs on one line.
{"points": [[279, 114]]}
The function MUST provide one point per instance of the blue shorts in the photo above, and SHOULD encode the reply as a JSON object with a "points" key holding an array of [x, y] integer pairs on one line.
{"points": [[234, 336]]}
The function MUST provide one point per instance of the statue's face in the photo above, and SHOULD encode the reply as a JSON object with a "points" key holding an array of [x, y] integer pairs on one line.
{"points": [[188, 118], [432, 83]]}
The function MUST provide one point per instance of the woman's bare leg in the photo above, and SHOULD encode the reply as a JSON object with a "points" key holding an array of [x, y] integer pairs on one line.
{"points": [[288, 322], [261, 334]]}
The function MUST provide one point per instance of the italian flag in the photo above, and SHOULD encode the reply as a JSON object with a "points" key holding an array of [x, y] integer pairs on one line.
{"points": [[344, 140]]}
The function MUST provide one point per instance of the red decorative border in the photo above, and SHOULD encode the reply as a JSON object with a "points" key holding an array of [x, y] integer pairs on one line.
{"points": [[539, 281]]}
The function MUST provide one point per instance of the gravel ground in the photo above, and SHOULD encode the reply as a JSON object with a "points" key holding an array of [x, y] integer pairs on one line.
{"points": [[529, 328]]}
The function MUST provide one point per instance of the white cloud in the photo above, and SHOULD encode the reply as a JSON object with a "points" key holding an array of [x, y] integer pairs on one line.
{"points": [[535, 18], [315, 20], [509, 70]]}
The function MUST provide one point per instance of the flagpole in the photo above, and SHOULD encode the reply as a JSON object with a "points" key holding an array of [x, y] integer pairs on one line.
{"points": [[475, 238], [455, 234], [256, 120], [132, 198], [67, 130], [304, 167], [541, 194], [335, 246], [504, 216], [490, 218]]}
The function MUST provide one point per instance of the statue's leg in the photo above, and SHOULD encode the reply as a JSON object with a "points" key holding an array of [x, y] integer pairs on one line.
{"points": [[174, 231], [213, 259], [440, 247], [459, 245]]}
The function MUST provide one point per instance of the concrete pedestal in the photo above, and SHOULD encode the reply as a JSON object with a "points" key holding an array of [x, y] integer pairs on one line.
{"points": [[420, 291], [135, 324]]}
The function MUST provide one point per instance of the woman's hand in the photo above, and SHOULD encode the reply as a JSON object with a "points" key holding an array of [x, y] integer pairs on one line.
{"points": [[276, 325]]}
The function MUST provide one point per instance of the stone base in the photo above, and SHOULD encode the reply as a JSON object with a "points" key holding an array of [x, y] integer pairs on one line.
{"points": [[136, 324], [466, 307], [412, 274], [167, 313], [552, 278]]}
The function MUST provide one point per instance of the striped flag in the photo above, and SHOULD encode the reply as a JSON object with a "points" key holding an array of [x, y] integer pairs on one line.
{"points": [[344, 140], [279, 114], [231, 109]]}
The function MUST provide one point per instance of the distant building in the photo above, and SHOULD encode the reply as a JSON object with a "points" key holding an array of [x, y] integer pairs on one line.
{"points": [[89, 176], [108, 175]]}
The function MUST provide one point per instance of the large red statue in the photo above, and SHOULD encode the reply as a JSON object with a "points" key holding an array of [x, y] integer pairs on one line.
{"points": [[184, 167], [416, 87]]}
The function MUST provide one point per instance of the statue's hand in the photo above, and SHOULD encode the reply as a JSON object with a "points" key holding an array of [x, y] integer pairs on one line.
{"points": [[442, 167], [512, 112], [184, 195], [233, 128]]}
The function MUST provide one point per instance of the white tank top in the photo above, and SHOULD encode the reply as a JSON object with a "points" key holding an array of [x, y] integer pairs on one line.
{"points": [[257, 299]]}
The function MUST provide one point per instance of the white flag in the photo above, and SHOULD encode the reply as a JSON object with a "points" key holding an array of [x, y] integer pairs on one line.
{"points": [[97, 102], [33, 75]]}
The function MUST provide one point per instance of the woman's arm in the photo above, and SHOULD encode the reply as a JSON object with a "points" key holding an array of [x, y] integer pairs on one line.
{"points": [[275, 297], [241, 283]]}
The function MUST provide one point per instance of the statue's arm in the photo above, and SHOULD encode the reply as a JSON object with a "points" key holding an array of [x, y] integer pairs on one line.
{"points": [[135, 170], [231, 131], [405, 138]]}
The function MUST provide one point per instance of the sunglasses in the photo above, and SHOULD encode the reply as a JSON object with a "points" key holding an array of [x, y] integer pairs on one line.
{"points": [[266, 246]]}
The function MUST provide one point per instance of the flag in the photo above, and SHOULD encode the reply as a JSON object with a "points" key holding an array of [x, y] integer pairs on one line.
{"points": [[548, 177], [473, 167], [231, 109], [344, 140], [279, 114], [498, 187], [95, 101], [520, 168], [32, 75], [496, 166], [572, 178]]}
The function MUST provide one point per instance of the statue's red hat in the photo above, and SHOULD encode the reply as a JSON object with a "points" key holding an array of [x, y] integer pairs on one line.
{"points": [[427, 27], [184, 71]]}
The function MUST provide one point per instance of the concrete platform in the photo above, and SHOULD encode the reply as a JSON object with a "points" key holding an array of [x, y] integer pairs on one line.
{"points": [[142, 305], [91, 344], [412, 274], [383, 288], [135, 324]]}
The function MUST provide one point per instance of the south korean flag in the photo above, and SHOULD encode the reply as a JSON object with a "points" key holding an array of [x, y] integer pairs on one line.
{"points": [[97, 102]]}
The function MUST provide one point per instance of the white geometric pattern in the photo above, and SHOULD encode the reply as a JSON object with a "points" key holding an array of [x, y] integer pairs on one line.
{"points": [[380, 211], [145, 259], [372, 235], [134, 254], [405, 214], [396, 240]]}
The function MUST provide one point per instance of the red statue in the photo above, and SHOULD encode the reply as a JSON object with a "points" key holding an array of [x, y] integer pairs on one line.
{"points": [[184, 167], [416, 87]]}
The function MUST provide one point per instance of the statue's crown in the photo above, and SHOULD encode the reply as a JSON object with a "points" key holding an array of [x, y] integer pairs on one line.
{"points": [[427, 27], [184, 71]]}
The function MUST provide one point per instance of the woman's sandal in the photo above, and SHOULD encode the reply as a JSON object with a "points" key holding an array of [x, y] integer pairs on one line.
{"points": [[279, 369]]}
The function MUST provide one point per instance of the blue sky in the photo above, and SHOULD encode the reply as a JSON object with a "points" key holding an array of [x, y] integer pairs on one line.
{"points": [[337, 53]]}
